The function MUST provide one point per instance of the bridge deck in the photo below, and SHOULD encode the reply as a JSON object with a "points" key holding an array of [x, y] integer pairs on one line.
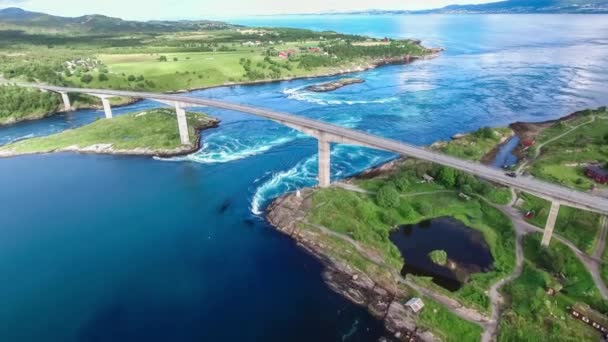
{"points": [[339, 134]]}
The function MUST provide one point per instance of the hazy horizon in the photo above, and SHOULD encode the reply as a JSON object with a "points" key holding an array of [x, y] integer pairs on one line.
{"points": [[193, 9]]}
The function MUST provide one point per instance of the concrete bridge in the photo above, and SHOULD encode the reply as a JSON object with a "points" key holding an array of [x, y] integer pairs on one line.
{"points": [[327, 133]]}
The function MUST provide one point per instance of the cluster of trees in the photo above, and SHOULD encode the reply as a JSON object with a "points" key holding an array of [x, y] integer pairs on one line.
{"points": [[388, 195], [394, 49], [309, 62], [18, 102]]}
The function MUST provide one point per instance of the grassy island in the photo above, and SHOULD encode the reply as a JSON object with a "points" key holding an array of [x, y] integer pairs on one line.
{"points": [[152, 132], [440, 257]]}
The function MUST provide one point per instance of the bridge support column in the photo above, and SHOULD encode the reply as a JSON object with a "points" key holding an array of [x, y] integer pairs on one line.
{"points": [[182, 124], [66, 101], [548, 233], [106, 107], [324, 163]]}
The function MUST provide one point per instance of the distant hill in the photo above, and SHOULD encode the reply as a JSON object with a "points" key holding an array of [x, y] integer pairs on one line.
{"points": [[17, 17], [531, 6], [512, 6]]}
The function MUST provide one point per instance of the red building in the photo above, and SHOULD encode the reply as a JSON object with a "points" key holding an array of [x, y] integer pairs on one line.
{"points": [[597, 173], [528, 142]]}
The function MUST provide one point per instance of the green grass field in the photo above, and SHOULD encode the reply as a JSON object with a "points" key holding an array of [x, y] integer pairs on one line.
{"points": [[155, 130], [532, 315], [563, 160], [578, 226], [362, 218]]}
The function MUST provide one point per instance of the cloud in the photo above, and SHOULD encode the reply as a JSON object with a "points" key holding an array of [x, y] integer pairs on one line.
{"points": [[9, 3]]}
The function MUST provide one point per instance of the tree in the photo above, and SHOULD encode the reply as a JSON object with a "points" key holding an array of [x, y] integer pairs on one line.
{"points": [[86, 78], [402, 183], [131, 78], [140, 78], [485, 132], [447, 177], [103, 77], [175, 59], [387, 197]]}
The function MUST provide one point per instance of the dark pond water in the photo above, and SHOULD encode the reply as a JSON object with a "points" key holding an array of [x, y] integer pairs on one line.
{"points": [[466, 249]]}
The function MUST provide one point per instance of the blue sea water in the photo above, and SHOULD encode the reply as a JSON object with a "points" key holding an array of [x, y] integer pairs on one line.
{"points": [[105, 248]]}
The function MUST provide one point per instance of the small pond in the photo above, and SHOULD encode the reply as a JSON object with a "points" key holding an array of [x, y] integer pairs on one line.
{"points": [[467, 251], [504, 156]]}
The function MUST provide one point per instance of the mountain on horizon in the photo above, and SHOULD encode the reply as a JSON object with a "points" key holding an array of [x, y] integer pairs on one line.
{"points": [[510, 7], [98, 24]]}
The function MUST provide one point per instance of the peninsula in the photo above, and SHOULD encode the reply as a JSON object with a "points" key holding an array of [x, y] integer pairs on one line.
{"points": [[152, 132], [353, 227]]}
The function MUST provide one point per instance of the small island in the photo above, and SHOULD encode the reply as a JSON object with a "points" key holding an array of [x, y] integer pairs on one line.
{"points": [[439, 257], [334, 85], [152, 132]]}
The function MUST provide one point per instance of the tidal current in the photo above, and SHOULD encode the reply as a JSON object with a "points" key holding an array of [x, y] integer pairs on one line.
{"points": [[107, 248]]}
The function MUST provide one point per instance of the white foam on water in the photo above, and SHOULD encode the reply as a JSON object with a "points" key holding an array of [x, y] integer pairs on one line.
{"points": [[346, 160], [325, 99]]}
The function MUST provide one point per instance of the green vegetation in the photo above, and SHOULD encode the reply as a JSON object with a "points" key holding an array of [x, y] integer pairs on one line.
{"points": [[440, 257], [563, 160], [154, 130], [477, 144], [578, 226], [171, 56], [445, 325], [202, 56], [532, 314], [363, 218], [25, 104]]}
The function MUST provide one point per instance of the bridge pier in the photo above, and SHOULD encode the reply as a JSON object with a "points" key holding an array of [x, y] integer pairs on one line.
{"points": [[324, 162], [182, 124], [66, 101], [548, 233], [107, 108]]}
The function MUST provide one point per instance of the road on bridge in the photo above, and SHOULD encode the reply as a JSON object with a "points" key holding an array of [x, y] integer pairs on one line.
{"points": [[337, 134]]}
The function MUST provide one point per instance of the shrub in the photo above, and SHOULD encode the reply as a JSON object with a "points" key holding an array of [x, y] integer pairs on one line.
{"points": [[103, 77], [402, 183], [424, 208], [485, 133], [162, 58], [131, 78], [86, 78], [387, 197], [447, 177]]}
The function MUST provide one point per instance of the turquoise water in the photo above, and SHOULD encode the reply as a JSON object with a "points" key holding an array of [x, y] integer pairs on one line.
{"points": [[104, 248]]}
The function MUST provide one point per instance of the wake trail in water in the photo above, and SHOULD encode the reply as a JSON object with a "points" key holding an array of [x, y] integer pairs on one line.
{"points": [[346, 161]]}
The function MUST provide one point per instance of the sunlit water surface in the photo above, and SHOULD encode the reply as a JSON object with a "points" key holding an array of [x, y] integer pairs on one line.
{"points": [[103, 248]]}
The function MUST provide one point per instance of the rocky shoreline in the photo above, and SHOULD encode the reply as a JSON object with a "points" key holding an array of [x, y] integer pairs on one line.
{"points": [[334, 85], [383, 298], [107, 148]]}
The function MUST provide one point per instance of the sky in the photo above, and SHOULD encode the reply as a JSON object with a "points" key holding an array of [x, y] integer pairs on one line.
{"points": [[201, 9]]}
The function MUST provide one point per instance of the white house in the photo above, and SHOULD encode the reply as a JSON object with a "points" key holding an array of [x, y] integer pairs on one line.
{"points": [[416, 304]]}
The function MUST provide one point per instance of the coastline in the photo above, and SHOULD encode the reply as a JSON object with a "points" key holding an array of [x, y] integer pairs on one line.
{"points": [[286, 211], [435, 52], [106, 149], [62, 111]]}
